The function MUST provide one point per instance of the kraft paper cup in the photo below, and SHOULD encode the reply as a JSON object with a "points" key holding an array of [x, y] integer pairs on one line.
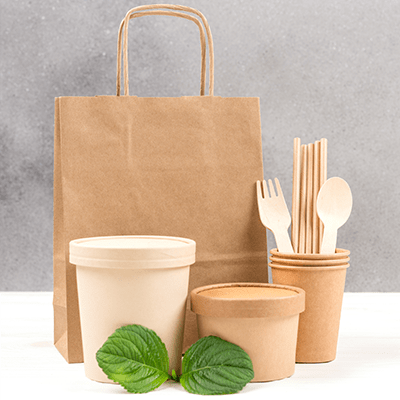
{"points": [[124, 280], [339, 253], [319, 323], [260, 318]]}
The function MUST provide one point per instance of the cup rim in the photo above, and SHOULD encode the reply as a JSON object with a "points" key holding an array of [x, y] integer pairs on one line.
{"points": [[309, 269], [339, 253], [309, 263]]}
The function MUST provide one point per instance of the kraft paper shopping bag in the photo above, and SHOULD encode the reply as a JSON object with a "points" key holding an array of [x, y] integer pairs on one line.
{"points": [[184, 166]]}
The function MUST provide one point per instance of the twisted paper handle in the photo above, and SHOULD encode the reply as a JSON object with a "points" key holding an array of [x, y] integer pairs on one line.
{"points": [[146, 11]]}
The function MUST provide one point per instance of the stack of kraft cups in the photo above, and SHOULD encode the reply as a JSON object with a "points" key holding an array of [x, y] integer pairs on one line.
{"points": [[322, 277]]}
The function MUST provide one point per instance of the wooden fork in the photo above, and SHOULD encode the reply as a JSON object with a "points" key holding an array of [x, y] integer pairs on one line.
{"points": [[274, 213]]}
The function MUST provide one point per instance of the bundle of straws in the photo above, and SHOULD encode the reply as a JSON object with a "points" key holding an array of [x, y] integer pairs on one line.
{"points": [[309, 174]]}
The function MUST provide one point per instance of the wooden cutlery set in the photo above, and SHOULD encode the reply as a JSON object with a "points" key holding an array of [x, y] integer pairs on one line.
{"points": [[319, 206]]}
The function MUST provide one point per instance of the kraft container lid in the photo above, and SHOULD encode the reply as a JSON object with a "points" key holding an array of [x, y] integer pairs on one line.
{"points": [[132, 252], [247, 300]]}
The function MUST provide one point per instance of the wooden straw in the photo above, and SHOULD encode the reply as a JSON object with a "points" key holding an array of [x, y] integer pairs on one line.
{"points": [[296, 194], [303, 193], [315, 244], [309, 201], [322, 177]]}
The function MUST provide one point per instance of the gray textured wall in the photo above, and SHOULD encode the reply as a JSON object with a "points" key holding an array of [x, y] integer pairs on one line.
{"points": [[321, 69]]}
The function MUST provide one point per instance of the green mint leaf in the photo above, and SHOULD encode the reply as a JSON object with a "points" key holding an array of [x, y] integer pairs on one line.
{"points": [[214, 366], [136, 358], [174, 376]]}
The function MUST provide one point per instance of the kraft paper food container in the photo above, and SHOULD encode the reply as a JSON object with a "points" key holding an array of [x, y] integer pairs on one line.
{"points": [[260, 318], [319, 323], [339, 254], [124, 280]]}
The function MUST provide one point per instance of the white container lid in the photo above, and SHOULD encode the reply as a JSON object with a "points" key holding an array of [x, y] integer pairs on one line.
{"points": [[140, 252]]}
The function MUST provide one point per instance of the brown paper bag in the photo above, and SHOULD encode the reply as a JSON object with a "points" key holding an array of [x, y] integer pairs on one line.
{"points": [[185, 166]]}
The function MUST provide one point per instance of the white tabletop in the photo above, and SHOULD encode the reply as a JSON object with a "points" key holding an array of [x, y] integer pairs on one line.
{"points": [[367, 363]]}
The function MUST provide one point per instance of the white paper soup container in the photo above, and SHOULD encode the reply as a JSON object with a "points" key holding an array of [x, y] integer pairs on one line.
{"points": [[125, 280]]}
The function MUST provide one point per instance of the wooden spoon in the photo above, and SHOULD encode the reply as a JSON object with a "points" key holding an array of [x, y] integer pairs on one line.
{"points": [[334, 205]]}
